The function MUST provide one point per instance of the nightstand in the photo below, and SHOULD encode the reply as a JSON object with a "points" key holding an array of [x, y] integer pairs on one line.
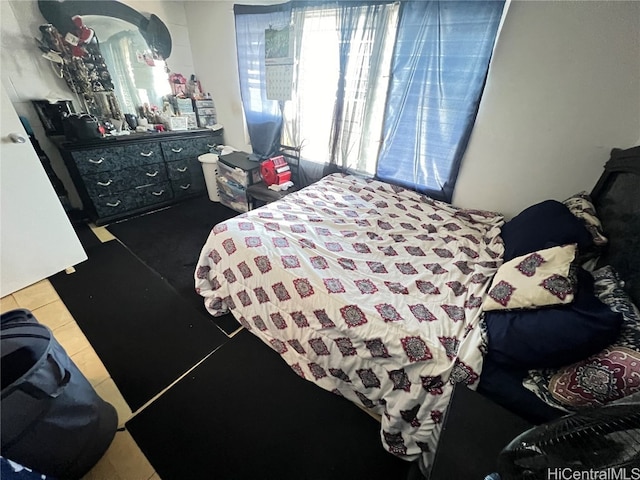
{"points": [[474, 432], [260, 192]]}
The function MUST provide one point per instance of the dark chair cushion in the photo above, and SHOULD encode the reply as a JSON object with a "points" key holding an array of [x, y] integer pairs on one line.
{"points": [[553, 336], [541, 226]]}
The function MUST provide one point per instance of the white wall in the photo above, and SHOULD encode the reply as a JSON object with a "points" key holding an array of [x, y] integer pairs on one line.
{"points": [[563, 89], [213, 36], [27, 76]]}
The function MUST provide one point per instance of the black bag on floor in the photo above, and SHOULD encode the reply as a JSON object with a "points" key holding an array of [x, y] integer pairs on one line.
{"points": [[52, 420]]}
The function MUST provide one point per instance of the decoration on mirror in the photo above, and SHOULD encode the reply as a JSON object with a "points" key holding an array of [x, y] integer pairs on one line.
{"points": [[121, 74], [77, 59], [113, 58]]}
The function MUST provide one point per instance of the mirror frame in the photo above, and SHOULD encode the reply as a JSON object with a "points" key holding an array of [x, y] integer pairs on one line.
{"points": [[153, 30]]}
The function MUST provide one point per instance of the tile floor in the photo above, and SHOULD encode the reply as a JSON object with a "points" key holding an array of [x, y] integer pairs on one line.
{"points": [[123, 460]]}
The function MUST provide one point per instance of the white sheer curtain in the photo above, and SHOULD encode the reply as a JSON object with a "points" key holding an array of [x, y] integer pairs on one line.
{"points": [[309, 113], [342, 61]]}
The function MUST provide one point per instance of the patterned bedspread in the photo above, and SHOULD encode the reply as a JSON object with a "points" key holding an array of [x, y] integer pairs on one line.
{"points": [[369, 290]]}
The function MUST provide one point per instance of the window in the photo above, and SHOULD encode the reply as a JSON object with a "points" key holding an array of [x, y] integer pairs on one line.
{"points": [[340, 83], [384, 89], [308, 116]]}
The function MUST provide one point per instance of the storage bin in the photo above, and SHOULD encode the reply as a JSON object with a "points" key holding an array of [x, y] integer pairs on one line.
{"points": [[239, 176], [52, 419], [232, 194], [209, 163]]}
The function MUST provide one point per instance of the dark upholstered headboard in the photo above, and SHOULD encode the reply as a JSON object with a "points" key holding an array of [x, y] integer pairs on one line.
{"points": [[616, 197]]}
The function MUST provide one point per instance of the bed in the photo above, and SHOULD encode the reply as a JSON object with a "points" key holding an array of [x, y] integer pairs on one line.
{"points": [[386, 297]]}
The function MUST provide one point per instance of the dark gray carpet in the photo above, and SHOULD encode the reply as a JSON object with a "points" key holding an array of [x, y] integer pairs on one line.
{"points": [[169, 241], [144, 333], [243, 414]]}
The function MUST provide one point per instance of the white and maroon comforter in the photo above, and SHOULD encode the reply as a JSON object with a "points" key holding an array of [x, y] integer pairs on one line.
{"points": [[369, 290]]}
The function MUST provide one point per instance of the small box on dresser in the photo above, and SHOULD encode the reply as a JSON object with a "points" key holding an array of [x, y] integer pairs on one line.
{"points": [[206, 112]]}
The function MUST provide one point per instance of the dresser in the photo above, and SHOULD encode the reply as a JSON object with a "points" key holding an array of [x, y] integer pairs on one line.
{"points": [[121, 176]]}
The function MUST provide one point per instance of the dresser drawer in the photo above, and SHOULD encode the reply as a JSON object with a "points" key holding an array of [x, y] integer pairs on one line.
{"points": [[205, 104], [151, 194], [108, 183], [188, 167], [179, 149], [116, 157], [139, 197], [207, 143], [186, 177], [184, 187]]}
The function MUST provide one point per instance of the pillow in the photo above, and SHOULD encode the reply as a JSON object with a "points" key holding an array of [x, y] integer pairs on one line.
{"points": [[582, 207], [541, 226], [612, 373], [534, 280], [553, 336]]}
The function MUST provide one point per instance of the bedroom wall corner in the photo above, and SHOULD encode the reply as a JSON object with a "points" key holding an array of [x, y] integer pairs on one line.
{"points": [[213, 36], [563, 89]]}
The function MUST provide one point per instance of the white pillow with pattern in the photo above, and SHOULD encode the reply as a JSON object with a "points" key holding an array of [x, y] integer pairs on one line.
{"points": [[582, 207], [534, 280]]}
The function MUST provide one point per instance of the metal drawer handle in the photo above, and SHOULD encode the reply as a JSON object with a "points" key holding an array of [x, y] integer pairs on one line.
{"points": [[185, 187], [152, 174], [105, 184], [146, 154], [176, 150], [183, 169], [114, 204], [157, 194], [97, 162]]}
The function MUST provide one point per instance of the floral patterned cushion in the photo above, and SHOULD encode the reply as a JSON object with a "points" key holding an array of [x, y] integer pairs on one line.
{"points": [[606, 376], [582, 207], [534, 280]]}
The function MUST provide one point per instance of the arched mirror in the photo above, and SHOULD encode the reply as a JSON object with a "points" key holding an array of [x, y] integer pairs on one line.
{"points": [[133, 46], [138, 74]]}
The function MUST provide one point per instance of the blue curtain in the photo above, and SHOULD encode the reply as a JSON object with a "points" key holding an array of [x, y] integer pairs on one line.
{"points": [[263, 116], [440, 64]]}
